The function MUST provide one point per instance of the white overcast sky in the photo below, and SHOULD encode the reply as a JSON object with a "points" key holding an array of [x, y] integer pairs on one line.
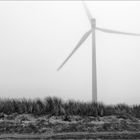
{"points": [[35, 38]]}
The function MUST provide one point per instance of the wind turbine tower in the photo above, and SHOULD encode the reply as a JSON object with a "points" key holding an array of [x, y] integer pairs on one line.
{"points": [[94, 73]]}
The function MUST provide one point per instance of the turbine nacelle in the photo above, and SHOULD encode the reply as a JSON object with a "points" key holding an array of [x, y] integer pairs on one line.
{"points": [[93, 22]]}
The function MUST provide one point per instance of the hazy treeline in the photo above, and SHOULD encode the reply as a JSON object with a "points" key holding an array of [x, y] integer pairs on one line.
{"points": [[56, 106]]}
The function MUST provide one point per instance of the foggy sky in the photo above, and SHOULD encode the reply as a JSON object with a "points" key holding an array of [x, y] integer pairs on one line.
{"points": [[35, 38]]}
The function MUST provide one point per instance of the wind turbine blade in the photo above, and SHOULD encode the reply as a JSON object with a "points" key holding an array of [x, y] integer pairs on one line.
{"points": [[84, 37], [87, 11], [116, 32]]}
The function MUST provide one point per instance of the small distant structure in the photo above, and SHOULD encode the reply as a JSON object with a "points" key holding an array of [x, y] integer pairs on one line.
{"points": [[84, 37]]}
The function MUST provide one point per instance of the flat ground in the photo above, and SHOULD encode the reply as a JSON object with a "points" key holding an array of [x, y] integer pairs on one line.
{"points": [[76, 135]]}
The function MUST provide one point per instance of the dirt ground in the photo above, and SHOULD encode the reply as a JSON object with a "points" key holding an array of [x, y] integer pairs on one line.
{"points": [[81, 126]]}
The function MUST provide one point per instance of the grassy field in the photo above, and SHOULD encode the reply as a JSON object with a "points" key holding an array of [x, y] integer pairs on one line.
{"points": [[54, 118], [57, 107]]}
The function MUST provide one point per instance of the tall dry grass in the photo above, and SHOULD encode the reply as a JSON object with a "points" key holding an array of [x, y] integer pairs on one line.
{"points": [[56, 106]]}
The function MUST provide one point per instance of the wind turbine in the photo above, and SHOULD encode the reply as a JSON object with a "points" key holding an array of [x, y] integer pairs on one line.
{"points": [[84, 37]]}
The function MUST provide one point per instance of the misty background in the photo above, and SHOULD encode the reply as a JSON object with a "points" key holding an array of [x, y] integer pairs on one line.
{"points": [[35, 38]]}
